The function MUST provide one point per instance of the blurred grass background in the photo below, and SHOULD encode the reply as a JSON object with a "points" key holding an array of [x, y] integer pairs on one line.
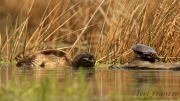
{"points": [[106, 28]]}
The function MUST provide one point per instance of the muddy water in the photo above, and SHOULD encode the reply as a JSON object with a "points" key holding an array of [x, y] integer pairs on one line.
{"points": [[108, 85]]}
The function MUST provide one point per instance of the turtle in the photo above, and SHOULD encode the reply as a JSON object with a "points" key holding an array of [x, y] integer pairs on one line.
{"points": [[146, 52], [83, 60]]}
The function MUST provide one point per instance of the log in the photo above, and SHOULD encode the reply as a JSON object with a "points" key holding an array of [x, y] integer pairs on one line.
{"points": [[141, 63]]}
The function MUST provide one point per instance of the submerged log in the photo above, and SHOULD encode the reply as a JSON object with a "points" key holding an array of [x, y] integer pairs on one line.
{"points": [[141, 63]]}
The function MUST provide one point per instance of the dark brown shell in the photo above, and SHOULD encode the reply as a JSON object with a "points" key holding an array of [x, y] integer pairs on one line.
{"points": [[143, 49]]}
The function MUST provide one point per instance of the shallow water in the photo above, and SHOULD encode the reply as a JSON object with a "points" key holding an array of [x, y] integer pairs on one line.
{"points": [[108, 85]]}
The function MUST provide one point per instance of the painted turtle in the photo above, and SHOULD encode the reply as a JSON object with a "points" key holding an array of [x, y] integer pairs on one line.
{"points": [[145, 51]]}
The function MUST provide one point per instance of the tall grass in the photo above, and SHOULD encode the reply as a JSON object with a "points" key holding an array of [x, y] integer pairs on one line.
{"points": [[105, 28]]}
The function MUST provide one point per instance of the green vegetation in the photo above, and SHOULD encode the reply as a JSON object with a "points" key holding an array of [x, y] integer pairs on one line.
{"points": [[45, 89]]}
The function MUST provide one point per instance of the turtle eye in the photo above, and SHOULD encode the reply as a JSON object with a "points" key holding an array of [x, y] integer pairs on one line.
{"points": [[153, 55]]}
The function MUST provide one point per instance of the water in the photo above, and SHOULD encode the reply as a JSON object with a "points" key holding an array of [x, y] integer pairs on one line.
{"points": [[108, 85]]}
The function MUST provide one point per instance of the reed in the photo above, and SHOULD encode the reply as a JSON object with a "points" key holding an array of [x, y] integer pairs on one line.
{"points": [[107, 28]]}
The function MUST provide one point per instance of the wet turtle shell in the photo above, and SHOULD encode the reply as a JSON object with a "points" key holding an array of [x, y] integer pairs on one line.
{"points": [[145, 51], [83, 60], [45, 58]]}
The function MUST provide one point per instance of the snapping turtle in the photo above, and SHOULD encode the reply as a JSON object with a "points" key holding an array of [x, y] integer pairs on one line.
{"points": [[53, 57], [145, 51], [83, 60]]}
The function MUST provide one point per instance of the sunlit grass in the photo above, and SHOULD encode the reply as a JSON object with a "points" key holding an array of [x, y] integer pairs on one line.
{"points": [[105, 28]]}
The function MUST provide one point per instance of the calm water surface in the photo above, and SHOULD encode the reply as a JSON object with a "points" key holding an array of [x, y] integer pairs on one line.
{"points": [[106, 84]]}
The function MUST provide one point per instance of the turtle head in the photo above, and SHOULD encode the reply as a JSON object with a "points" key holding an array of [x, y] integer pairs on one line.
{"points": [[154, 56], [84, 60]]}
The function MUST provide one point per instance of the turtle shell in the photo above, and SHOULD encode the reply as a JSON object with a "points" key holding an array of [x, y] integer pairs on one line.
{"points": [[143, 50]]}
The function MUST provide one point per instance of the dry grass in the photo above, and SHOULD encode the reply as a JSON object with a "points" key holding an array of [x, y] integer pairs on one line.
{"points": [[105, 28]]}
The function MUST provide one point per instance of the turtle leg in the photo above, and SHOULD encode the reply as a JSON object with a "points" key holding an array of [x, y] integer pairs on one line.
{"points": [[42, 64], [156, 57], [159, 59]]}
